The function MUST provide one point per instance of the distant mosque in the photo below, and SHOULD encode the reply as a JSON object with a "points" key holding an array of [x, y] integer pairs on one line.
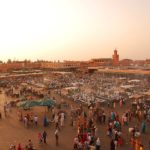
{"points": [[114, 61]]}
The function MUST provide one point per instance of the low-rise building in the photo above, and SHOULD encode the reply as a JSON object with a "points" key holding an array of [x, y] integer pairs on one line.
{"points": [[126, 62], [100, 62]]}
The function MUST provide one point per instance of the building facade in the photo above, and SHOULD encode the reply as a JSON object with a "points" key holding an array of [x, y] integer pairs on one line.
{"points": [[126, 62], [100, 62]]}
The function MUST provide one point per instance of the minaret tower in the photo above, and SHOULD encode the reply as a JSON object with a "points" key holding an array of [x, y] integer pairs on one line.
{"points": [[115, 58]]}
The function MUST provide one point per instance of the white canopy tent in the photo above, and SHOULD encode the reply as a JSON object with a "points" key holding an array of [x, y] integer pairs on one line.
{"points": [[134, 81], [127, 86]]}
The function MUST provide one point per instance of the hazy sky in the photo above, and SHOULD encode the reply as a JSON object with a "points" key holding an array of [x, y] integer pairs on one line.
{"points": [[74, 29]]}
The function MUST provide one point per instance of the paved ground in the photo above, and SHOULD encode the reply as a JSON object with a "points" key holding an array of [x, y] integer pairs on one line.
{"points": [[13, 131]]}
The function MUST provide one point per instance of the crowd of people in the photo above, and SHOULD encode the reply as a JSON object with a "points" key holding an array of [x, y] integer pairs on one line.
{"points": [[87, 135], [87, 119]]}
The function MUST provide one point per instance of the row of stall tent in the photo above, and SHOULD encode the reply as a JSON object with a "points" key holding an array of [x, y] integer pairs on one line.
{"points": [[34, 103]]}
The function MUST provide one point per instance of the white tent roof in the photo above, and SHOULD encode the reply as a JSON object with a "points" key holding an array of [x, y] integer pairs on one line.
{"points": [[134, 80], [127, 86]]}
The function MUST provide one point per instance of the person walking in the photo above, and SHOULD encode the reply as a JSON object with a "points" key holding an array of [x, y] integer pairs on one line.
{"points": [[19, 147], [112, 145], [0, 115], [25, 121], [62, 121], [104, 117], [44, 136], [143, 127], [5, 111], [40, 138], [45, 121], [98, 144], [62, 118], [30, 145], [56, 136], [36, 120], [12, 147]]}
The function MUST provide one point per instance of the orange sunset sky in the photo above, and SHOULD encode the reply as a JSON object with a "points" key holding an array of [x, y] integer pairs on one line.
{"points": [[74, 29]]}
